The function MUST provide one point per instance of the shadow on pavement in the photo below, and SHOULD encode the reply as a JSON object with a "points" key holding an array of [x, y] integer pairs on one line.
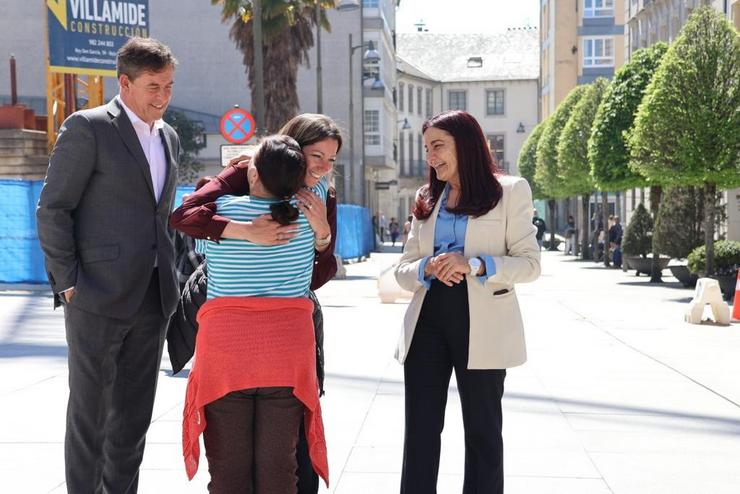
{"points": [[645, 282], [701, 423], [21, 350], [32, 322]]}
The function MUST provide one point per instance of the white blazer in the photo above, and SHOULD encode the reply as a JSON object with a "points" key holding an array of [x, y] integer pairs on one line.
{"points": [[506, 232]]}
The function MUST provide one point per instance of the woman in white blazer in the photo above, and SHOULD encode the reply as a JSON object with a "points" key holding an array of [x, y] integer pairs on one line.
{"points": [[471, 241]]}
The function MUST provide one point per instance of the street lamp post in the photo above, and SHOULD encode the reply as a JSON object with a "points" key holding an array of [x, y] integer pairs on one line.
{"points": [[371, 55], [259, 76], [319, 89]]}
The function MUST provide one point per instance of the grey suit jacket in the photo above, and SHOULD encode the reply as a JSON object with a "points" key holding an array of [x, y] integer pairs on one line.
{"points": [[99, 224]]}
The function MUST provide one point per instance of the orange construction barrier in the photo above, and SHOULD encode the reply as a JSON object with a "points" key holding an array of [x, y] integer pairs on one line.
{"points": [[736, 303]]}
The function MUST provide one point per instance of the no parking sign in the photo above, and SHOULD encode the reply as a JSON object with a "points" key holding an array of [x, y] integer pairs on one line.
{"points": [[237, 126]]}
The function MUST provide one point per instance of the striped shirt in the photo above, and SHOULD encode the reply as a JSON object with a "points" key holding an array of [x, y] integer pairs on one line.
{"points": [[239, 268]]}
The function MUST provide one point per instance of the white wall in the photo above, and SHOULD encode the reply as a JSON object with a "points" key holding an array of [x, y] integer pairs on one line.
{"points": [[520, 107]]}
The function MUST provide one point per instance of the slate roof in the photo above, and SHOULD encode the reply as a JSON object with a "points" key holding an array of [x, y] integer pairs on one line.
{"points": [[511, 55]]}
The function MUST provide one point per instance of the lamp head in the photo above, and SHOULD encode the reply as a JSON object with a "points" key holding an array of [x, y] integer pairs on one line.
{"points": [[348, 5]]}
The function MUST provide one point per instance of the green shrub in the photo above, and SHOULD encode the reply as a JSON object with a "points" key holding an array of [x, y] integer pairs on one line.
{"points": [[726, 258], [638, 238]]}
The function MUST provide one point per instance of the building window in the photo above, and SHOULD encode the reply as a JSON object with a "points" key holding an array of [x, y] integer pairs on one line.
{"points": [[598, 8], [418, 100], [495, 102], [370, 4], [411, 98], [429, 103], [457, 100], [496, 144], [371, 125], [401, 89], [598, 52]]}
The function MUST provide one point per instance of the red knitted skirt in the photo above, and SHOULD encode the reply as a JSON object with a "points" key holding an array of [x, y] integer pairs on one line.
{"points": [[254, 342]]}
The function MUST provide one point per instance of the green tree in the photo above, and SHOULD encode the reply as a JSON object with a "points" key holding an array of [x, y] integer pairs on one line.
{"points": [[608, 151], [573, 165], [527, 163], [287, 27], [637, 239], [607, 147], [191, 134], [546, 172], [687, 129]]}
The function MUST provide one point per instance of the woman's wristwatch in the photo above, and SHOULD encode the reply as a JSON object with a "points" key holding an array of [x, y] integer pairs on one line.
{"points": [[323, 242], [475, 264]]}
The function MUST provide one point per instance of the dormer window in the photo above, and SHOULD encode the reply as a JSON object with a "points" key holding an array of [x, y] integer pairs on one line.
{"points": [[475, 62]]}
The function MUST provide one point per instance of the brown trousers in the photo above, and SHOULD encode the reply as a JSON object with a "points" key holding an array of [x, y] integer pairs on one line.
{"points": [[250, 439]]}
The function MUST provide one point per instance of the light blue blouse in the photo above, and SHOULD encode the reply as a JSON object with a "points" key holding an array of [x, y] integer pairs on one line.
{"points": [[449, 236]]}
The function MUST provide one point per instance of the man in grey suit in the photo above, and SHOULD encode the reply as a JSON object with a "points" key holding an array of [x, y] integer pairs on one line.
{"points": [[102, 222]]}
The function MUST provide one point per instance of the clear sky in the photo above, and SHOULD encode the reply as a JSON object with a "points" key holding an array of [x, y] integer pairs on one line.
{"points": [[467, 16]]}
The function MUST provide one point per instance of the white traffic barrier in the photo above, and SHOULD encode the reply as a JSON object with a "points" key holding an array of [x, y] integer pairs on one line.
{"points": [[708, 293]]}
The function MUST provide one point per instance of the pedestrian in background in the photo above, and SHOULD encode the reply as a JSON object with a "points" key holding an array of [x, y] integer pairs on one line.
{"points": [[406, 229], [471, 241], [102, 223], [615, 242], [395, 230], [376, 231], [570, 236], [541, 228]]}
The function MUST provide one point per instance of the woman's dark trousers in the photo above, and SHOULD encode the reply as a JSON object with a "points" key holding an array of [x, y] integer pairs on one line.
{"points": [[251, 438], [440, 345]]}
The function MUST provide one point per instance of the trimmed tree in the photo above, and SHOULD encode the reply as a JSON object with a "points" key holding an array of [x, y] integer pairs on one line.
{"points": [[546, 172], [527, 162], [573, 165], [687, 129], [607, 147], [608, 151], [637, 239]]}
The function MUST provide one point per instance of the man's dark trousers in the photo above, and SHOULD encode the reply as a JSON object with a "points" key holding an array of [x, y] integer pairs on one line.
{"points": [[113, 369]]}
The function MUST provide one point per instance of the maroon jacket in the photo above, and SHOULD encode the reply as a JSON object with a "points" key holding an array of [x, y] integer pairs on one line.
{"points": [[197, 217]]}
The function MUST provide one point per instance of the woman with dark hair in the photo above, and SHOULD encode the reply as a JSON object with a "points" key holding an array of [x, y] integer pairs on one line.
{"points": [[320, 140], [253, 381], [471, 241]]}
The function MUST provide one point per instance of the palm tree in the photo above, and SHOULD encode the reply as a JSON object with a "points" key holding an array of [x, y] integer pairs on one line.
{"points": [[287, 27]]}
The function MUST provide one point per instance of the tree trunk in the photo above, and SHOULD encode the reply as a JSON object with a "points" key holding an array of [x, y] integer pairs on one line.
{"points": [[567, 213], [710, 191], [575, 240], [605, 220], [585, 252], [551, 221], [656, 193]]}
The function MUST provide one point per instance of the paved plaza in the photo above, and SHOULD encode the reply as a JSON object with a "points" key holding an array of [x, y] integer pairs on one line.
{"points": [[619, 394]]}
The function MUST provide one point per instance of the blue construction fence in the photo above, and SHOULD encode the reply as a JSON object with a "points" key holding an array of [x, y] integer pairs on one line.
{"points": [[22, 261]]}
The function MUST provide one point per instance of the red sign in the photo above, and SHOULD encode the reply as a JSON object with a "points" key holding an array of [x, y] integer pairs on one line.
{"points": [[237, 126]]}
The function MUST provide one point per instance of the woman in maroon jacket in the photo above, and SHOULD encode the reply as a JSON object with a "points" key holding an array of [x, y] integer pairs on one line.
{"points": [[320, 140]]}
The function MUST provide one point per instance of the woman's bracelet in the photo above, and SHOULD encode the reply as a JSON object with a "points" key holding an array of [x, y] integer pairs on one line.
{"points": [[323, 242]]}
